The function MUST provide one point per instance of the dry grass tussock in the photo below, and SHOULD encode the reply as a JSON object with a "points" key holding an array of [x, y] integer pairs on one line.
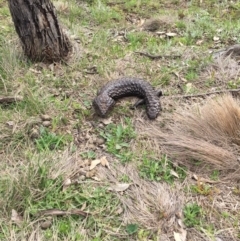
{"points": [[153, 205], [223, 69], [210, 133]]}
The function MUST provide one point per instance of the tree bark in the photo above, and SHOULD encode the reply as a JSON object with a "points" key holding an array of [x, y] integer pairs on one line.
{"points": [[37, 26]]}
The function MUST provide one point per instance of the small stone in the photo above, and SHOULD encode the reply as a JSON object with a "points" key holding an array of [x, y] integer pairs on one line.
{"points": [[68, 94], [46, 123], [99, 141], [91, 140], [46, 224], [34, 134], [100, 125], [10, 124], [106, 121], [92, 147], [46, 117], [81, 178]]}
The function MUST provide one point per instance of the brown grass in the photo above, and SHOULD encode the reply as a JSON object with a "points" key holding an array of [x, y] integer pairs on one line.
{"points": [[210, 133], [153, 205]]}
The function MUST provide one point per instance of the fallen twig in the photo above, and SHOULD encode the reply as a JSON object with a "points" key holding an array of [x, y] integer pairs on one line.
{"points": [[10, 99], [206, 94], [57, 212], [151, 56]]}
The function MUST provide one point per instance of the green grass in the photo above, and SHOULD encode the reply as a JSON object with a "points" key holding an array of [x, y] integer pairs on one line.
{"points": [[160, 170], [51, 141], [118, 138], [192, 214]]}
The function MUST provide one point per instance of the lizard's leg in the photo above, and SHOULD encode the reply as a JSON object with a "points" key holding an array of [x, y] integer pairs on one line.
{"points": [[138, 102], [142, 101]]}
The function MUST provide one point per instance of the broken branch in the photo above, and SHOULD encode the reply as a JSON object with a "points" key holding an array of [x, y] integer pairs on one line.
{"points": [[10, 99], [57, 212], [151, 56], [233, 91]]}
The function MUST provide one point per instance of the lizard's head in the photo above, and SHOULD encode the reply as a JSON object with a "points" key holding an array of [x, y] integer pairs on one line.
{"points": [[102, 104]]}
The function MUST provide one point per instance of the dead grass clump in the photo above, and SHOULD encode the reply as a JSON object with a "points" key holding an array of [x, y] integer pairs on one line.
{"points": [[223, 70], [153, 205], [210, 133]]}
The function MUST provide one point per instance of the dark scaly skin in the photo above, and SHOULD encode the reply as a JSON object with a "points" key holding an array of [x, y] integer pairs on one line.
{"points": [[124, 87]]}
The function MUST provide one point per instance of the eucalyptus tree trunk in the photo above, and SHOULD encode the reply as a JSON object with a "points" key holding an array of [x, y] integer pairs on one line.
{"points": [[37, 26]]}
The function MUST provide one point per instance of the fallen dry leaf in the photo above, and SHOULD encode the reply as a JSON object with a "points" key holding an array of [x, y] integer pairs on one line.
{"points": [[119, 211], [35, 71], [181, 236], [161, 33], [94, 163], [174, 173], [16, 218], [195, 177], [188, 87], [46, 224], [10, 123], [105, 162], [120, 187], [107, 121], [84, 206], [199, 42], [66, 183], [96, 178], [91, 173], [141, 22], [180, 223], [85, 163], [171, 34]]}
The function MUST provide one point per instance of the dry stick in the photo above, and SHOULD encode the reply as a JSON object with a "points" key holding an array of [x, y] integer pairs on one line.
{"points": [[57, 212], [10, 99], [205, 94], [151, 56]]}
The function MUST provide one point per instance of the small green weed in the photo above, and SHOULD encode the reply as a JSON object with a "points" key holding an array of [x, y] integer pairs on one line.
{"points": [[118, 138], [136, 40], [124, 178], [191, 75], [202, 189], [215, 175], [233, 84], [192, 214], [51, 141], [131, 228], [225, 214], [31, 105], [157, 170], [181, 25], [88, 155]]}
